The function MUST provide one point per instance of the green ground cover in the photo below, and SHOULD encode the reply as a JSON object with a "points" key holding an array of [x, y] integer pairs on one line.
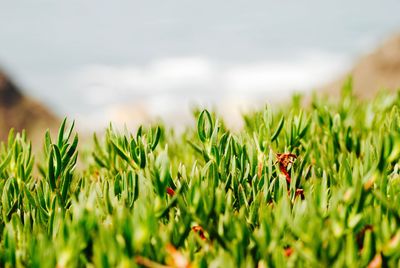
{"points": [[314, 186]]}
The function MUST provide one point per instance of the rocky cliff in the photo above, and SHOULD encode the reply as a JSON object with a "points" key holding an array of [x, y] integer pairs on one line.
{"points": [[20, 112], [376, 71]]}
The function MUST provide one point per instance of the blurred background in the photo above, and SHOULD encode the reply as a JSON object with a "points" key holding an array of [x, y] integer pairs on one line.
{"points": [[134, 61]]}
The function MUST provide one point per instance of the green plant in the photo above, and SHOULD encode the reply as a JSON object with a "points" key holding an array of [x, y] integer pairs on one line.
{"points": [[314, 186]]}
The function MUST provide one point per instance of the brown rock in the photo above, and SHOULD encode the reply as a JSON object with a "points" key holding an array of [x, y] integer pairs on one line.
{"points": [[377, 71], [20, 112]]}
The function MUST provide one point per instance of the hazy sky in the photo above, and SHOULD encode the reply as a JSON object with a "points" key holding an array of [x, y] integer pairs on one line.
{"points": [[59, 34]]}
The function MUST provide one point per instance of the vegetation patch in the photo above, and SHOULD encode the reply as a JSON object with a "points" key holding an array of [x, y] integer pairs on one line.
{"points": [[297, 187]]}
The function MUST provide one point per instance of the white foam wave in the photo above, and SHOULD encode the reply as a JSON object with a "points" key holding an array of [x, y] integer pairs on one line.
{"points": [[167, 87]]}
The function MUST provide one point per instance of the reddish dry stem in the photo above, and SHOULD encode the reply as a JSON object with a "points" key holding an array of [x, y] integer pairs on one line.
{"points": [[259, 169], [199, 230], [170, 191], [288, 252], [300, 192], [285, 172], [360, 236], [145, 262], [284, 160]]}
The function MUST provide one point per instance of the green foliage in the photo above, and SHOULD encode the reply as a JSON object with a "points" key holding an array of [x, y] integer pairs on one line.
{"points": [[210, 197]]}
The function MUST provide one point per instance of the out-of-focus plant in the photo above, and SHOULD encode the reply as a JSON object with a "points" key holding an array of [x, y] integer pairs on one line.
{"points": [[314, 186]]}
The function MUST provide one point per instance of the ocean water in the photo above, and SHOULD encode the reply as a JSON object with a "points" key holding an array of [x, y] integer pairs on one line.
{"points": [[131, 61]]}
